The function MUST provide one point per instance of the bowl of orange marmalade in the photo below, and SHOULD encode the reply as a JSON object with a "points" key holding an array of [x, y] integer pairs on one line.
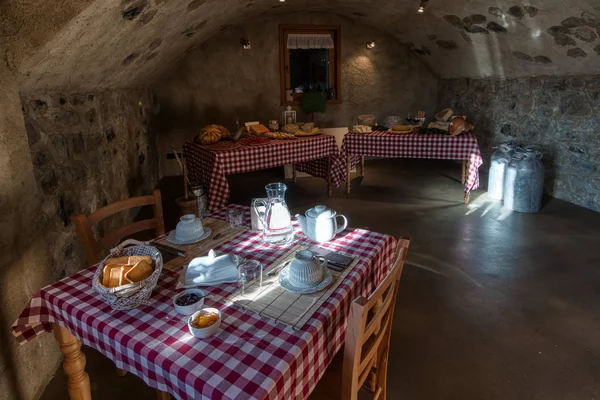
{"points": [[205, 322]]}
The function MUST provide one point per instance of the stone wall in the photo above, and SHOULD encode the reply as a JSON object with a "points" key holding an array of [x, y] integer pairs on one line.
{"points": [[24, 267], [219, 80], [88, 150], [560, 113]]}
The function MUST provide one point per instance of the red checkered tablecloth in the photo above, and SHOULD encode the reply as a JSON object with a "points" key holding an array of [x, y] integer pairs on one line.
{"points": [[252, 357], [211, 167], [382, 144]]}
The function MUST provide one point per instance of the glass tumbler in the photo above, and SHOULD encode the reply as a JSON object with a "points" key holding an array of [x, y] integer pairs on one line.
{"points": [[250, 271], [235, 218]]}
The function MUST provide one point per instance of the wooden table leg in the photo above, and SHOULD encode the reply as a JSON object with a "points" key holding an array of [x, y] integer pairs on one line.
{"points": [[464, 172], [467, 198], [348, 168], [294, 172], [162, 395], [121, 372], [78, 384], [362, 166]]}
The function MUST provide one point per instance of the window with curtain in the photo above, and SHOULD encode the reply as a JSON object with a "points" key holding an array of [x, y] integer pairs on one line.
{"points": [[309, 63]]}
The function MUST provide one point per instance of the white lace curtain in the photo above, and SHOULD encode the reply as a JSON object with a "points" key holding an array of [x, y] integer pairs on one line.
{"points": [[309, 41]]}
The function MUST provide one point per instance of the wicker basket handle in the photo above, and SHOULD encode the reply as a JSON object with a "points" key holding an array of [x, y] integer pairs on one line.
{"points": [[128, 243]]}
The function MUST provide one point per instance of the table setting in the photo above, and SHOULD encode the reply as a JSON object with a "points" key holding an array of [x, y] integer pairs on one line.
{"points": [[233, 316]]}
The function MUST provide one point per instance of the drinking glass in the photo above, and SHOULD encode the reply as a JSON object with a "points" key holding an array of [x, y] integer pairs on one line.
{"points": [[235, 218], [249, 271]]}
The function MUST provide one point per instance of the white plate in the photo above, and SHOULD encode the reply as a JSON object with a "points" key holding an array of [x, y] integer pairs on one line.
{"points": [[171, 238], [286, 285]]}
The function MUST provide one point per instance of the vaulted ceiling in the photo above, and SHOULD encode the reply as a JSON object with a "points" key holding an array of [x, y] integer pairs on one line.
{"points": [[86, 44]]}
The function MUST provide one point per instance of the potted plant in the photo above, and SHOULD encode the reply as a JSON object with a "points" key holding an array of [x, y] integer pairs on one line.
{"points": [[313, 102]]}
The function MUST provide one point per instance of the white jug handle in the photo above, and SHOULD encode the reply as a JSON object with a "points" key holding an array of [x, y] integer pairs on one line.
{"points": [[344, 225]]}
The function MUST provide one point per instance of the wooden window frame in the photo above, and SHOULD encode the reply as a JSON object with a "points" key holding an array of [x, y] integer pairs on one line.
{"points": [[284, 58]]}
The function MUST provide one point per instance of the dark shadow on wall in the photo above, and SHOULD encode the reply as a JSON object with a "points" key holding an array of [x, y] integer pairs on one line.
{"points": [[191, 118], [7, 345]]}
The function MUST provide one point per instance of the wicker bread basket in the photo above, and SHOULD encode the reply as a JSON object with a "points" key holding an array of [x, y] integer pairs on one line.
{"points": [[129, 296]]}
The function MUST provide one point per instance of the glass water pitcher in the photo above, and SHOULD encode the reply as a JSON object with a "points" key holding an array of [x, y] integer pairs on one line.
{"points": [[276, 219]]}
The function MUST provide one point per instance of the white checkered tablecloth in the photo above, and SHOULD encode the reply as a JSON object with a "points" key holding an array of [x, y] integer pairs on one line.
{"points": [[252, 357], [211, 167], [382, 144]]}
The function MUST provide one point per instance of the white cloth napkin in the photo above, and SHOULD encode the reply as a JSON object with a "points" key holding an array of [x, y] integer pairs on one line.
{"points": [[210, 270]]}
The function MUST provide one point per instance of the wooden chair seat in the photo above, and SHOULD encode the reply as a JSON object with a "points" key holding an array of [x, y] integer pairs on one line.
{"points": [[362, 363]]}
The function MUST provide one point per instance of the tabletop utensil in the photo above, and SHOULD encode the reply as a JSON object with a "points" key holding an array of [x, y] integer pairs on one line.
{"points": [[277, 269], [320, 223], [168, 249], [276, 219]]}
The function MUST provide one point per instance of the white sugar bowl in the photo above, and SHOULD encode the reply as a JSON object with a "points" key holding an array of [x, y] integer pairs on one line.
{"points": [[189, 228], [306, 269]]}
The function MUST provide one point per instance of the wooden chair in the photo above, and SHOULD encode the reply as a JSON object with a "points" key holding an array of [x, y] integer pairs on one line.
{"points": [[362, 362], [95, 248]]}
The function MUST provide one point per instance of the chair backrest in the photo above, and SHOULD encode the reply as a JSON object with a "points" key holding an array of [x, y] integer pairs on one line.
{"points": [[83, 224], [368, 333]]}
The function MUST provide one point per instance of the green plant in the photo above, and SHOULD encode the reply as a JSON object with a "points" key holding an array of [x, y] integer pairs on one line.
{"points": [[313, 102]]}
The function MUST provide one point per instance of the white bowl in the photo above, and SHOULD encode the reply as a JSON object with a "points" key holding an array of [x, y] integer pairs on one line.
{"points": [[189, 228], [306, 269], [192, 308], [203, 333]]}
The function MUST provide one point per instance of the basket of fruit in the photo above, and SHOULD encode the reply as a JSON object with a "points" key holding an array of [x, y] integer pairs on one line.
{"points": [[126, 278]]}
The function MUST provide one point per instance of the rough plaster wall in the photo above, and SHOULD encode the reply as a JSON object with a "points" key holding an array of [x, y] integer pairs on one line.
{"points": [[560, 113], [24, 264], [85, 44], [71, 153], [220, 80]]}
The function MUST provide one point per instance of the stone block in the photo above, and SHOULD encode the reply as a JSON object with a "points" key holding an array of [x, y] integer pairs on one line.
{"points": [[574, 104]]}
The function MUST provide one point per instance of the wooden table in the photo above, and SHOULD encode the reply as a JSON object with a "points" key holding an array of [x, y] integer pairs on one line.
{"points": [[252, 357]]}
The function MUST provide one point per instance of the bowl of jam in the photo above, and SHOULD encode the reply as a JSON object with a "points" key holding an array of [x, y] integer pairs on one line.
{"points": [[189, 301]]}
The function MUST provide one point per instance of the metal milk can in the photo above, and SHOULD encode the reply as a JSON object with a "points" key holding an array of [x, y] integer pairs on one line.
{"points": [[499, 160], [524, 181]]}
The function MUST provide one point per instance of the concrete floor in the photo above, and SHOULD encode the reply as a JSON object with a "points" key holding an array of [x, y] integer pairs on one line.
{"points": [[492, 305]]}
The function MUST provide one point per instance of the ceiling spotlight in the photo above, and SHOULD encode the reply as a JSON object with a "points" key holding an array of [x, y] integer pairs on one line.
{"points": [[282, 1], [422, 6], [370, 45]]}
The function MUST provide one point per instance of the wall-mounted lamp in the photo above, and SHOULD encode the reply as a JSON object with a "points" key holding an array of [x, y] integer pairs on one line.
{"points": [[370, 45], [246, 44], [421, 8]]}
